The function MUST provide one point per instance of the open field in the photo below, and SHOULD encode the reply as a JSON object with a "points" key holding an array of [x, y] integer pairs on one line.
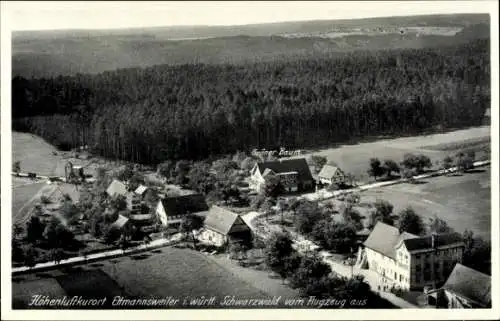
{"points": [[355, 158], [464, 202], [165, 272]]}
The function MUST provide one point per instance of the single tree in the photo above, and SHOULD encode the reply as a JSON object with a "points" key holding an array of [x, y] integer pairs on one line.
{"points": [[391, 167], [311, 268], [409, 221], [318, 162], [278, 249], [34, 229], [16, 167], [57, 255], [382, 213], [190, 224], [477, 253], [447, 163], [376, 169]]}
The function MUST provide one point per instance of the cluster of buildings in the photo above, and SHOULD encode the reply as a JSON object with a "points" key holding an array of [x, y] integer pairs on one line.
{"points": [[220, 226], [404, 260]]}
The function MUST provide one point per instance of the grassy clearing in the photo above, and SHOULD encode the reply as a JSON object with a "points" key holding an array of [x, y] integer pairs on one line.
{"points": [[177, 272], [482, 141], [464, 202]]}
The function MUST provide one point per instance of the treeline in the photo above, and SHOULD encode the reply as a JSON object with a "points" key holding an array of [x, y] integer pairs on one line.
{"points": [[194, 111]]}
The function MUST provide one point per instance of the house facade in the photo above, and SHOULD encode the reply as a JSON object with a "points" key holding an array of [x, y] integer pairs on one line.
{"points": [[330, 174], [410, 261], [222, 227], [171, 211], [294, 175]]}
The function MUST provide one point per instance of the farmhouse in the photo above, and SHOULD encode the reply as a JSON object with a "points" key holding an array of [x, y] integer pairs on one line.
{"points": [[410, 261], [171, 210], [331, 174], [465, 288], [294, 174], [222, 226]]}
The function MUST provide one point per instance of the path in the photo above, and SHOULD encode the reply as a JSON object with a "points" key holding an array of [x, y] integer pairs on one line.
{"points": [[97, 256], [24, 213]]}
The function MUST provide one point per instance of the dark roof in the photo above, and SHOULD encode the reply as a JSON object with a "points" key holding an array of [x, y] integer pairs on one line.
{"points": [[470, 284], [221, 220], [289, 165], [185, 204], [383, 239], [425, 242]]}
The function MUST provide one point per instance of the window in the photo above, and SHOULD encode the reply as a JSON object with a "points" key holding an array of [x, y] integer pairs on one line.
{"points": [[396, 276], [400, 278]]}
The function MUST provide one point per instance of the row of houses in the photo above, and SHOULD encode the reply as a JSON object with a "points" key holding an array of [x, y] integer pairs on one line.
{"points": [[294, 175], [413, 262]]}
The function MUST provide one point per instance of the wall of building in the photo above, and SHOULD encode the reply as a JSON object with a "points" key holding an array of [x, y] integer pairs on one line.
{"points": [[212, 237], [431, 268]]}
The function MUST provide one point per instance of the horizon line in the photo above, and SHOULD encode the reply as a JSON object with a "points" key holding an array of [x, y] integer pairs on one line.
{"points": [[242, 25]]}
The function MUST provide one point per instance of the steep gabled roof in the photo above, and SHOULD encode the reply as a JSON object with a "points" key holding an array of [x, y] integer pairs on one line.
{"points": [[425, 242], [116, 188], [289, 165], [328, 171], [185, 204], [470, 284], [383, 239], [221, 220]]}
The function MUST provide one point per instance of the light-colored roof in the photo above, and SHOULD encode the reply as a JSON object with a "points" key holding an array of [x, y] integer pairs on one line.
{"points": [[120, 222], [470, 284], [267, 171], [116, 188], [328, 171], [384, 239], [221, 220], [141, 189]]}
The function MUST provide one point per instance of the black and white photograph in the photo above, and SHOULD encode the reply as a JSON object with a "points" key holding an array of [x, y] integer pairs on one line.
{"points": [[292, 157]]}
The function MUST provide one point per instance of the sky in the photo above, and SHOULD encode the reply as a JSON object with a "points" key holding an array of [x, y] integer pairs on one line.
{"points": [[46, 15]]}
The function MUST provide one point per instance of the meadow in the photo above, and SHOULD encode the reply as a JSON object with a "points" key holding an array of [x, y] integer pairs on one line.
{"points": [[464, 202]]}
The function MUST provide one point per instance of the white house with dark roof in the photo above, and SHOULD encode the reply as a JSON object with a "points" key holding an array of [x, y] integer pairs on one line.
{"points": [[294, 174], [465, 288], [171, 211], [410, 261], [222, 226], [331, 174]]}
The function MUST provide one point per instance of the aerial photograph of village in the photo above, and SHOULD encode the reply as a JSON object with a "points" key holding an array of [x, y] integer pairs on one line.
{"points": [[319, 164]]}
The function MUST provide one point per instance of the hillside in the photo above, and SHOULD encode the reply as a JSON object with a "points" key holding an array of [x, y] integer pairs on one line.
{"points": [[52, 53]]}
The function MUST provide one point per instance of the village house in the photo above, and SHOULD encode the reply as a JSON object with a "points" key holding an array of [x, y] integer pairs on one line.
{"points": [[331, 174], [170, 211], [410, 261], [465, 288], [222, 227], [294, 174], [133, 200]]}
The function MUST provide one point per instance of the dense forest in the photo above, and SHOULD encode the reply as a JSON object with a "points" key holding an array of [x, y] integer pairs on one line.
{"points": [[192, 111]]}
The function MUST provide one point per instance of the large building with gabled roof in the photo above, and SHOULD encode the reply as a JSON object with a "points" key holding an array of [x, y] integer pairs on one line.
{"points": [[410, 261], [294, 174]]}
